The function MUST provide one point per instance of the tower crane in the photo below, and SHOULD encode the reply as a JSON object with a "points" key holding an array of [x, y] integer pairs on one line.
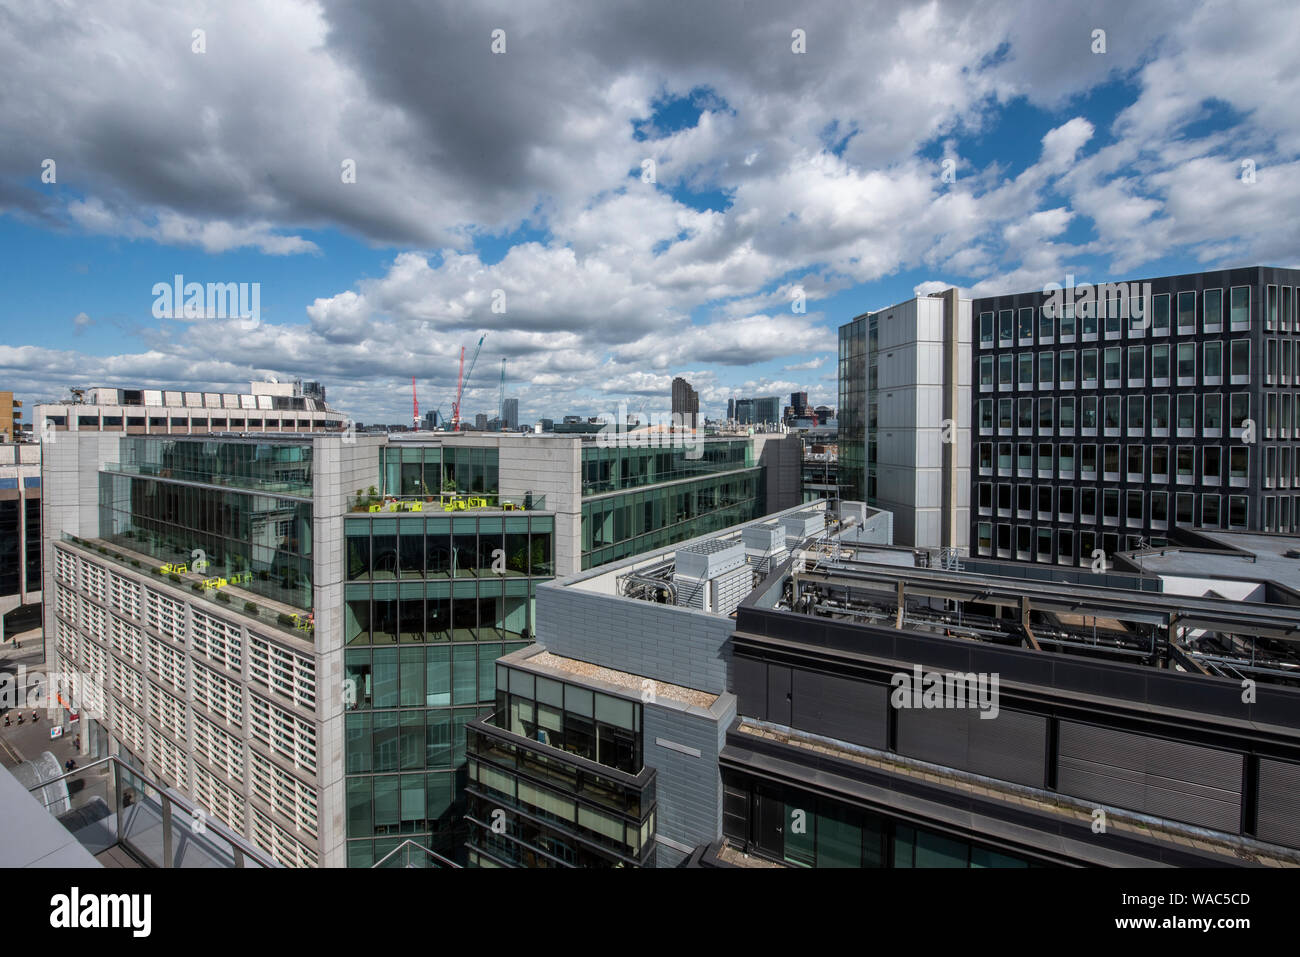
{"points": [[462, 382]]}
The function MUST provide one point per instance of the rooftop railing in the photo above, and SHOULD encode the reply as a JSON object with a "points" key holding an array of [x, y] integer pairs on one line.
{"points": [[110, 804], [413, 854]]}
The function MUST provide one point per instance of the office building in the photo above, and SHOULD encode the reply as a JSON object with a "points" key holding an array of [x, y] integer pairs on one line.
{"points": [[11, 415], [510, 411], [760, 411], [20, 529], [266, 407], [799, 403], [904, 416], [603, 748], [405, 566], [1063, 701], [685, 404], [1105, 416]]}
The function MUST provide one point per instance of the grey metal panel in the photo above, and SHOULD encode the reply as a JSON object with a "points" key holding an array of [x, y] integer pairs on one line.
{"points": [[1010, 747], [778, 694], [749, 684], [1279, 802], [1170, 779], [853, 711]]}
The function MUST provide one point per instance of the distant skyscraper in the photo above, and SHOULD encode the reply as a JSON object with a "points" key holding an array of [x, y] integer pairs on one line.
{"points": [[799, 402], [511, 412], [686, 402], [731, 409], [758, 411], [480, 421]]}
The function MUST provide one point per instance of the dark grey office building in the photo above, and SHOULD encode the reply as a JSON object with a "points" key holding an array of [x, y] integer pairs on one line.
{"points": [[1104, 416], [686, 403]]}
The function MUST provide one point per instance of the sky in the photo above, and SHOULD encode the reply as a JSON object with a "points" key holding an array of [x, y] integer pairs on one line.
{"points": [[612, 193]]}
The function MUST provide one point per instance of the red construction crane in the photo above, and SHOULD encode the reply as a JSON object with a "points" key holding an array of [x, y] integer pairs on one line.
{"points": [[462, 380], [415, 408]]}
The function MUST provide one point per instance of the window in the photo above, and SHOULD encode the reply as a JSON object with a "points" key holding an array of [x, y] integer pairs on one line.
{"points": [[1134, 465], [986, 328], [1211, 464], [1045, 378], [1186, 462], [1046, 326], [986, 414], [1160, 365], [1212, 414], [1136, 365], [1089, 368], [1067, 415], [1186, 312], [1212, 310], [1160, 463], [1006, 318], [1026, 326], [1065, 461], [1159, 414], [1186, 413], [1067, 322], [1004, 414], [1004, 370], [1239, 360], [1090, 413], [1212, 363], [986, 372], [1111, 365], [1025, 416], [1110, 462], [1065, 500], [1045, 422], [1239, 308], [1112, 414], [1239, 410], [1159, 509], [1026, 376], [1186, 363], [1160, 315], [1067, 369], [1136, 414], [1238, 462]]}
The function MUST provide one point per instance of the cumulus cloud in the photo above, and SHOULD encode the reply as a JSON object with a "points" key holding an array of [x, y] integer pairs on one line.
{"points": [[813, 173]]}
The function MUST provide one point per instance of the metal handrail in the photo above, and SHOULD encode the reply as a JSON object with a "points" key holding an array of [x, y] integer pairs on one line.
{"points": [[445, 862], [240, 848]]}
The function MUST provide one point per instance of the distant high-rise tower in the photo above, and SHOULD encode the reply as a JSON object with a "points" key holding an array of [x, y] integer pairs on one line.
{"points": [[799, 403], [731, 409], [686, 403], [510, 409]]}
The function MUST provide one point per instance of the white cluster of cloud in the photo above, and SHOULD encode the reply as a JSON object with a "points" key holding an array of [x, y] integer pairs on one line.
{"points": [[827, 160]]}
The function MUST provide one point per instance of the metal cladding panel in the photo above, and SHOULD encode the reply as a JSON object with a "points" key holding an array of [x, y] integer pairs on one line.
{"points": [[778, 694], [1011, 747], [749, 685], [853, 711], [1169, 779], [1279, 802]]}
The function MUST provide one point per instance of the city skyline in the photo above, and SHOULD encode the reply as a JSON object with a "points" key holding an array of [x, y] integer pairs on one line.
{"points": [[652, 208]]}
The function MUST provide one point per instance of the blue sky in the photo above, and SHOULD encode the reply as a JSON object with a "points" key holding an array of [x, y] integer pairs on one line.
{"points": [[516, 179]]}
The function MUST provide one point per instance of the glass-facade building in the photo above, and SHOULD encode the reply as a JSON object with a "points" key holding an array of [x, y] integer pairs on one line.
{"points": [[858, 380], [556, 778], [246, 505], [804, 829], [430, 603], [638, 499], [1141, 407]]}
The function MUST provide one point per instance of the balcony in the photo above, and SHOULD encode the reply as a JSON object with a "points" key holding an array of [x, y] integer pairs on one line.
{"points": [[220, 591]]}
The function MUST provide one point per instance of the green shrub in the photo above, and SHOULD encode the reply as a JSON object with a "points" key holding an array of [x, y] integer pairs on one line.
{"points": [[175, 578], [250, 607], [286, 620], [196, 586], [223, 597]]}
